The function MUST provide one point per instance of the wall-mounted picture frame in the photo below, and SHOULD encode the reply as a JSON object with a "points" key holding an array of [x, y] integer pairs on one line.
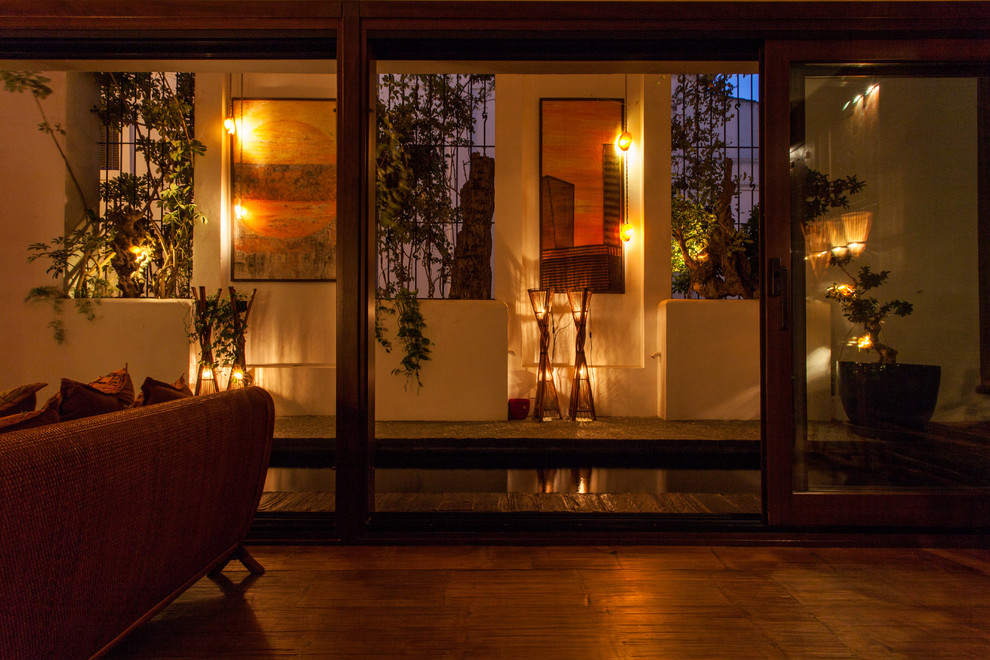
{"points": [[582, 195], [284, 190]]}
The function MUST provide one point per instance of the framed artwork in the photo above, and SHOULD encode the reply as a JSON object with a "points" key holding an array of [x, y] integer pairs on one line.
{"points": [[284, 181], [581, 195]]}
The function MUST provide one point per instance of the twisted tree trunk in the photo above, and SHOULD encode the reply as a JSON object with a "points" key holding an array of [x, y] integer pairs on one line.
{"points": [[722, 269], [471, 271]]}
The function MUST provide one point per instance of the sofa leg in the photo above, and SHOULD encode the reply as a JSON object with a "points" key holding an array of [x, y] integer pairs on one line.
{"points": [[243, 556], [249, 562]]}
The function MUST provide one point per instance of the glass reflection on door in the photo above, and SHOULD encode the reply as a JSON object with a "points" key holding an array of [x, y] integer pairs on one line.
{"points": [[885, 185]]}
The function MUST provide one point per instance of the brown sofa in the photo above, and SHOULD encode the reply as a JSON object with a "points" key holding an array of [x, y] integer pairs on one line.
{"points": [[107, 519]]}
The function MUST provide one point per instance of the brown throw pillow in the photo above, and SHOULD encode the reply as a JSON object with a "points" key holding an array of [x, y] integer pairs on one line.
{"points": [[47, 414], [107, 394], [20, 399], [118, 383], [155, 391]]}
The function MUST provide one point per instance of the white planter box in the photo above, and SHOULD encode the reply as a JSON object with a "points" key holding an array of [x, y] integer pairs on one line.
{"points": [[466, 377], [709, 359]]}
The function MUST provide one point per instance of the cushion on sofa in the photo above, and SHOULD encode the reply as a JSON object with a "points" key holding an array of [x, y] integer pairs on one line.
{"points": [[110, 393], [20, 399], [47, 414], [118, 383], [155, 391]]}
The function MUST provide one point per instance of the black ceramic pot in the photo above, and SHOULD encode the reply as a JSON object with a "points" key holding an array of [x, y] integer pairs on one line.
{"points": [[889, 395]]}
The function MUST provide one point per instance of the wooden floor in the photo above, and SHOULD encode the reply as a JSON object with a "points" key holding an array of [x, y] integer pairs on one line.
{"points": [[583, 602], [688, 503]]}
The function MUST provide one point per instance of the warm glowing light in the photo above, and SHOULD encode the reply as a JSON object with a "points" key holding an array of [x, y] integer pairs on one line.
{"points": [[856, 227], [547, 375], [240, 212], [238, 375], [864, 343], [845, 290], [207, 373], [626, 232], [230, 125], [143, 254], [815, 241], [542, 301], [583, 372], [840, 251], [624, 141]]}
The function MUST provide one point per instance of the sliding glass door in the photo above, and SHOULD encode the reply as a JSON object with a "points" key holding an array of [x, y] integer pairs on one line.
{"points": [[877, 258]]}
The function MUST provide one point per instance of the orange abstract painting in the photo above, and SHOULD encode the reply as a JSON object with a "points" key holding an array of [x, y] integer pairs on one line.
{"points": [[581, 194], [284, 153]]}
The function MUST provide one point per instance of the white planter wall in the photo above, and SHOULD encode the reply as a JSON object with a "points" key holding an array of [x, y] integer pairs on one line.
{"points": [[465, 378], [709, 359]]}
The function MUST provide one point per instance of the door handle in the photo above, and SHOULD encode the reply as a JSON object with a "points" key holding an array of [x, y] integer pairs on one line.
{"points": [[777, 287]]}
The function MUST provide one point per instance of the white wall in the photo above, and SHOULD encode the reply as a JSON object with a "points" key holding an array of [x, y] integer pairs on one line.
{"points": [[622, 327]]}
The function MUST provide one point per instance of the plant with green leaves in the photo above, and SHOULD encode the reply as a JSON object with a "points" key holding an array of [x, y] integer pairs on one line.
{"points": [[422, 122], [80, 259], [150, 216], [864, 310], [217, 321], [818, 194], [141, 245], [53, 296], [710, 256]]}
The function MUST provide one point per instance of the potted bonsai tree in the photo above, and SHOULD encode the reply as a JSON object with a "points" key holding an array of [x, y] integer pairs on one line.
{"points": [[884, 393]]}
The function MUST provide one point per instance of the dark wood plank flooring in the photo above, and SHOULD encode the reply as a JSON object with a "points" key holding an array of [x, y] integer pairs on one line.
{"points": [[686, 503], [582, 602]]}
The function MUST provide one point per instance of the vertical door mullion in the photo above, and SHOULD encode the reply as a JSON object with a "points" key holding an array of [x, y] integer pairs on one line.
{"points": [[355, 281], [776, 336]]}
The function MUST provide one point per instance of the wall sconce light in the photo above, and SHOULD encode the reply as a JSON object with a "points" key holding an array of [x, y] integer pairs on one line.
{"points": [[582, 400], [546, 392], [626, 232], [624, 141], [229, 124], [856, 226], [816, 243], [836, 239]]}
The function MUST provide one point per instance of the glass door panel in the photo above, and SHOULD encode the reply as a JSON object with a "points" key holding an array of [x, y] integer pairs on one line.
{"points": [[602, 417], [885, 183]]}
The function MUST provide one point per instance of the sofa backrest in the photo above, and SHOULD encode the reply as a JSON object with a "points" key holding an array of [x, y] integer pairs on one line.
{"points": [[102, 518]]}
